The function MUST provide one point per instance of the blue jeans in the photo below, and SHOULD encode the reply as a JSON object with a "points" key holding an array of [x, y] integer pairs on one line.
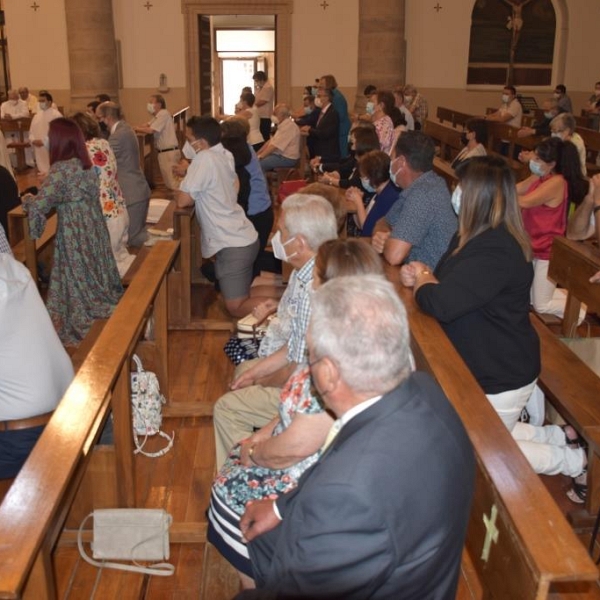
{"points": [[276, 161]]}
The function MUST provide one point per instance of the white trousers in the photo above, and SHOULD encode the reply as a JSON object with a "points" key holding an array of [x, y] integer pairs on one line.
{"points": [[546, 298], [117, 229], [544, 447]]}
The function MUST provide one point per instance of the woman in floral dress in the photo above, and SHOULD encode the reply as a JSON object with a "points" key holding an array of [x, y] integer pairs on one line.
{"points": [[111, 198], [270, 462], [84, 283]]}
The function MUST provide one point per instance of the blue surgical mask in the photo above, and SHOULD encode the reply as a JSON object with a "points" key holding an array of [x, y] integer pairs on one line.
{"points": [[370, 108], [556, 135], [548, 115], [367, 185], [536, 168], [456, 198], [313, 91], [279, 247], [393, 176], [307, 110]]}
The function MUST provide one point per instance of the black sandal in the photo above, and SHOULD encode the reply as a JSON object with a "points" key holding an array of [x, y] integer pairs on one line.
{"points": [[578, 493]]}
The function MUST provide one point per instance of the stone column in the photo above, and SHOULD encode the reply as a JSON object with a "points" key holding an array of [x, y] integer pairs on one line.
{"points": [[381, 46], [92, 50]]}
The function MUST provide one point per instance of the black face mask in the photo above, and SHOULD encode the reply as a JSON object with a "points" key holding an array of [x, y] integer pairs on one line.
{"points": [[463, 139]]}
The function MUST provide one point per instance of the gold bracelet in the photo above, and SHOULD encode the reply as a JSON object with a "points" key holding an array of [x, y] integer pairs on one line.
{"points": [[251, 455]]}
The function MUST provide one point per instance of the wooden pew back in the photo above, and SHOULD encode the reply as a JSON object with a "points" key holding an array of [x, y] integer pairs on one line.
{"points": [[447, 138], [591, 139], [571, 265], [35, 507], [534, 545], [454, 117]]}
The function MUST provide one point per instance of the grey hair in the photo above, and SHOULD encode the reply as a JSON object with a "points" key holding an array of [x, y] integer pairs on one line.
{"points": [[285, 110], [360, 323], [310, 216], [111, 110], [565, 121]]}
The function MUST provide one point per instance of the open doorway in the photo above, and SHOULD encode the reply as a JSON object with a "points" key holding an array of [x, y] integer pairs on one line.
{"points": [[239, 46]]}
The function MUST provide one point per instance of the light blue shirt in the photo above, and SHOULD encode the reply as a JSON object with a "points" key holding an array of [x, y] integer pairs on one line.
{"points": [[259, 199]]}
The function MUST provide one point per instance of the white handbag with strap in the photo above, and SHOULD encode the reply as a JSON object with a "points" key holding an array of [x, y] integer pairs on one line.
{"points": [[132, 534]]}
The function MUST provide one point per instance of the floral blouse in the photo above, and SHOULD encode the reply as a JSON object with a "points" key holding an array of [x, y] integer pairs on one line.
{"points": [[105, 165]]}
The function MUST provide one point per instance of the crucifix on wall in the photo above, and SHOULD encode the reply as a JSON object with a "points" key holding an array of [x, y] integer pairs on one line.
{"points": [[35, 6]]}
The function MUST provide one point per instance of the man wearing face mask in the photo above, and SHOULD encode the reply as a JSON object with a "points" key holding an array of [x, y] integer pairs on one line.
{"points": [[38, 131], [551, 109], [265, 95], [305, 222], [511, 111], [421, 222], [564, 102], [132, 180], [325, 134], [283, 149], [165, 138]]}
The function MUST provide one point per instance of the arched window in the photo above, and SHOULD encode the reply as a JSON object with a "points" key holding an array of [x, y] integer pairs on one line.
{"points": [[512, 42]]}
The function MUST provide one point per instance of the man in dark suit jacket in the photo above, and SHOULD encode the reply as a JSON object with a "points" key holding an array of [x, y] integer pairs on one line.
{"points": [[135, 188], [324, 136], [383, 513]]}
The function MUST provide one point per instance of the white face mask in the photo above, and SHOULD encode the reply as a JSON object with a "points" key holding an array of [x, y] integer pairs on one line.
{"points": [[318, 102], [456, 198], [150, 108], [505, 98], [43, 105], [370, 107], [188, 150], [408, 99], [279, 247]]}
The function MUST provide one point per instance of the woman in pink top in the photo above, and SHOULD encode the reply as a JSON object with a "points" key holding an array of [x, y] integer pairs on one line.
{"points": [[380, 107], [544, 197]]}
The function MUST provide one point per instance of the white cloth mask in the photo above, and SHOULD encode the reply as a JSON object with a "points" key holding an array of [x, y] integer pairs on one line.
{"points": [[188, 151], [279, 247], [456, 198]]}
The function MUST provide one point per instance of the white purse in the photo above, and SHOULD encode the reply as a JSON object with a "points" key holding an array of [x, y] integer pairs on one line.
{"points": [[146, 408], [132, 534]]}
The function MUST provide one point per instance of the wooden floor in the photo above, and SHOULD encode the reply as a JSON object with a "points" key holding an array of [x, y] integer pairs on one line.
{"points": [[180, 481]]}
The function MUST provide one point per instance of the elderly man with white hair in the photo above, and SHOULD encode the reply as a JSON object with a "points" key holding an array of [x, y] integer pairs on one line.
{"points": [[383, 513], [283, 149], [305, 222]]}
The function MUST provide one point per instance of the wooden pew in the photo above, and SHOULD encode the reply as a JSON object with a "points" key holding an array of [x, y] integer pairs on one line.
{"points": [[36, 505], [591, 139], [179, 120], [444, 170], [447, 138], [531, 547], [147, 155], [571, 265], [18, 128], [24, 247], [454, 117]]}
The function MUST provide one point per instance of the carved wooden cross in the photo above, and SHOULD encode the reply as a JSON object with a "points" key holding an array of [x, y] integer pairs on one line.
{"points": [[491, 534], [148, 6], [324, 5], [35, 6], [437, 7]]}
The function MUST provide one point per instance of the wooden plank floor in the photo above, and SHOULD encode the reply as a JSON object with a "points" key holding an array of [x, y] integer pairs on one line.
{"points": [[179, 482]]}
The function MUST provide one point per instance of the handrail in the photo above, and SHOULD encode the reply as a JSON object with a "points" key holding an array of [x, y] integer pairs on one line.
{"points": [[33, 509]]}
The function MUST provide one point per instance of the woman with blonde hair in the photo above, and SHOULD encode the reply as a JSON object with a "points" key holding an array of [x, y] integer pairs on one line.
{"points": [[479, 292]]}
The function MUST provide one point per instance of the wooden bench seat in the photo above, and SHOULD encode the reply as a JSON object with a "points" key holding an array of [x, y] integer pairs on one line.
{"points": [[24, 247], [534, 547]]}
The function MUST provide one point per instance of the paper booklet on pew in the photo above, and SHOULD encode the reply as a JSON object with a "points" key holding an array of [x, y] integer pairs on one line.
{"points": [[156, 209]]}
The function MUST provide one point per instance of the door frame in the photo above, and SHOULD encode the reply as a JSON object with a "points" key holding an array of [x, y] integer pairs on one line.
{"points": [[282, 9]]}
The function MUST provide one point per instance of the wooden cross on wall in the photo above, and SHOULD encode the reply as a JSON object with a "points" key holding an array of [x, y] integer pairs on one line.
{"points": [[35, 6], [437, 7], [324, 4], [148, 6]]}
